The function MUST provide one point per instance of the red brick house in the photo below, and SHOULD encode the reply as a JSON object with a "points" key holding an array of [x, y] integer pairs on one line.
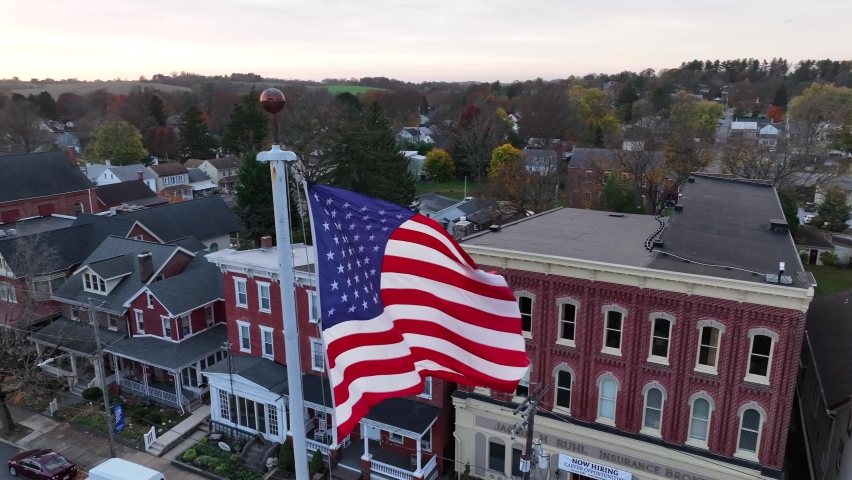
{"points": [[671, 350], [41, 184], [407, 437]]}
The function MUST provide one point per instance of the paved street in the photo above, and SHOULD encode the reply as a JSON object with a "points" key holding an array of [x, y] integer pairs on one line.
{"points": [[6, 452], [721, 135]]}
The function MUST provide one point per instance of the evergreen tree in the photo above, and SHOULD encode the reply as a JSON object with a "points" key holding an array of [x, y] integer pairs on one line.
{"points": [[254, 198], [624, 102], [424, 105], [833, 210], [248, 127], [46, 105], [615, 197], [365, 157], [195, 139], [780, 97], [155, 110]]}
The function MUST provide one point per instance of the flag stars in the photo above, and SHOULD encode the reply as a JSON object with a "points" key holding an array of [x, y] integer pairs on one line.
{"points": [[346, 205], [398, 217], [334, 285], [375, 299], [348, 215], [366, 218], [351, 252], [325, 225], [352, 227], [333, 213], [336, 240], [384, 229], [328, 201], [331, 311], [364, 304], [381, 212], [317, 197], [361, 250], [340, 269], [372, 237], [349, 267], [356, 279], [384, 220], [368, 226], [351, 309], [375, 248], [337, 225], [358, 262], [356, 293], [373, 272], [364, 209], [366, 290], [356, 237], [330, 255], [344, 298], [348, 282], [366, 259]]}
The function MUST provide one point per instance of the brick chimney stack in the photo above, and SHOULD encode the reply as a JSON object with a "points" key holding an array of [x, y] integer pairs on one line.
{"points": [[141, 177], [72, 155], [265, 243], [146, 266]]}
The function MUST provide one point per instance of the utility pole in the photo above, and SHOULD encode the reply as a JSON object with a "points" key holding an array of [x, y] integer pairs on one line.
{"points": [[528, 410], [93, 317]]}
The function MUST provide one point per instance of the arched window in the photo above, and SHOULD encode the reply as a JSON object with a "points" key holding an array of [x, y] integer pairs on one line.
{"points": [[78, 208], [563, 389], [653, 411], [752, 418], [699, 422], [214, 247], [607, 401]]}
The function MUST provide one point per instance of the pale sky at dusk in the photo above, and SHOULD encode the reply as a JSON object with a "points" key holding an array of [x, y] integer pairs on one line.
{"points": [[409, 40]]}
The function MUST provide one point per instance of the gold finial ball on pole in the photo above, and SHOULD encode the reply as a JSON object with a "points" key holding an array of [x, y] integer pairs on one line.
{"points": [[272, 100]]}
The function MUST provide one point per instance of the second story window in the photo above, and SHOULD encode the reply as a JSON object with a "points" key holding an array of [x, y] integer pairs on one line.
{"points": [[760, 358], [186, 325], [263, 297], [523, 389], [567, 322], [150, 299], [317, 355], [313, 304], [140, 321], [242, 294], [708, 349], [525, 304], [266, 336], [208, 315], [7, 292], [167, 327], [427, 388], [245, 340], [112, 320]]}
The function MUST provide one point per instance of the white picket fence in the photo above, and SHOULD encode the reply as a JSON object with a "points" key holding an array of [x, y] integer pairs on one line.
{"points": [[150, 438], [390, 470]]}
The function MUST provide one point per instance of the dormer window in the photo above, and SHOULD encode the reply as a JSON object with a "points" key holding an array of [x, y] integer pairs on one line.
{"points": [[94, 283]]}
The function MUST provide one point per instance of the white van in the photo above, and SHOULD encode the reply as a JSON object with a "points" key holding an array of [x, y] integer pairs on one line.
{"points": [[118, 469]]}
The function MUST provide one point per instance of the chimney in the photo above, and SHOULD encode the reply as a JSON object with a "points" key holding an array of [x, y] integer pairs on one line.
{"points": [[146, 266], [72, 155], [141, 177], [265, 243]]}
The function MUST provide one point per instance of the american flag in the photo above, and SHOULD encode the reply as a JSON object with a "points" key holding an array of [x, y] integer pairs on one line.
{"points": [[400, 301]]}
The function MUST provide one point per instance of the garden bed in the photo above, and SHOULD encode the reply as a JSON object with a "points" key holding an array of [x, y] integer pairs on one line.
{"points": [[208, 459], [37, 397], [138, 418]]}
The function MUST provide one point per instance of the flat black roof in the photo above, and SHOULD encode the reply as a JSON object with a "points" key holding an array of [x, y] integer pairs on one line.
{"points": [[829, 334], [726, 223], [723, 223]]}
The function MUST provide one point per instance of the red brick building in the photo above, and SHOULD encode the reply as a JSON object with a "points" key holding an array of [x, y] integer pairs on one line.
{"points": [[41, 184], [397, 430], [673, 358]]}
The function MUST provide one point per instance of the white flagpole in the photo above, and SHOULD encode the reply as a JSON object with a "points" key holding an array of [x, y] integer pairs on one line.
{"points": [[279, 162]]}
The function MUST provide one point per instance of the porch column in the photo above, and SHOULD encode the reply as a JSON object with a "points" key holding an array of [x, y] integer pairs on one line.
{"points": [[145, 378], [73, 367], [38, 349], [285, 424], [419, 464], [178, 390], [115, 369], [365, 460]]}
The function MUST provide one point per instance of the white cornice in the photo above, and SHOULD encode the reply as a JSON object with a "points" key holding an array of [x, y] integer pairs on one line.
{"points": [[641, 277]]}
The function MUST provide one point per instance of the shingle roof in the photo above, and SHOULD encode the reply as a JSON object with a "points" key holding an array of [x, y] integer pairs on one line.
{"points": [[434, 202], [808, 237], [202, 218], [166, 169], [225, 162], [125, 192], [262, 371], [112, 267], [189, 243], [75, 336], [829, 335], [191, 289], [124, 173], [197, 175], [33, 175], [172, 355], [72, 290], [69, 246], [193, 163]]}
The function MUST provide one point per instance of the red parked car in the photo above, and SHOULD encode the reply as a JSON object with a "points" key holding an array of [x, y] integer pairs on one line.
{"points": [[42, 465]]}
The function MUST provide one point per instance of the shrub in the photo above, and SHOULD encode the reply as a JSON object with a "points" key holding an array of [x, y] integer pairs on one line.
{"points": [[286, 459], [805, 257], [155, 417], [139, 412], [317, 463], [234, 458], [828, 259], [221, 469], [93, 394], [189, 455], [203, 441], [205, 461]]}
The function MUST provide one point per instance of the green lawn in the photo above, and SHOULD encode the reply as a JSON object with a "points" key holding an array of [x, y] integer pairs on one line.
{"points": [[353, 89], [830, 279], [453, 189]]}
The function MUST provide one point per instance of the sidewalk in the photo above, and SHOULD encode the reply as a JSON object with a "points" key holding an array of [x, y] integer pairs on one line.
{"points": [[86, 450]]}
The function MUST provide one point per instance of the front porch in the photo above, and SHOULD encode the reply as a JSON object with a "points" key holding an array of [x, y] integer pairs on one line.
{"points": [[386, 463], [166, 394]]}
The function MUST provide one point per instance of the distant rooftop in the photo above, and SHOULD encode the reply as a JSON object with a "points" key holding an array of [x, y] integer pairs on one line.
{"points": [[723, 223], [262, 259], [29, 226]]}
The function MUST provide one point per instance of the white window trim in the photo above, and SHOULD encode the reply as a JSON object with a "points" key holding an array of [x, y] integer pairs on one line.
{"points": [[94, 281], [560, 304], [264, 330], [528, 377], [164, 320], [136, 318], [531, 296], [317, 343], [212, 316], [740, 412], [774, 337], [704, 368], [653, 319], [563, 367], [424, 447], [599, 383], [10, 295], [694, 442], [150, 299], [188, 319], [392, 437], [623, 311], [237, 282], [240, 337], [260, 297], [646, 430], [428, 381], [313, 297]]}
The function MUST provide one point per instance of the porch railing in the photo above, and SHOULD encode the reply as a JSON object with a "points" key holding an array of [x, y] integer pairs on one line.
{"points": [[131, 385], [163, 395], [150, 438], [431, 468], [56, 371], [391, 471], [314, 446]]}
